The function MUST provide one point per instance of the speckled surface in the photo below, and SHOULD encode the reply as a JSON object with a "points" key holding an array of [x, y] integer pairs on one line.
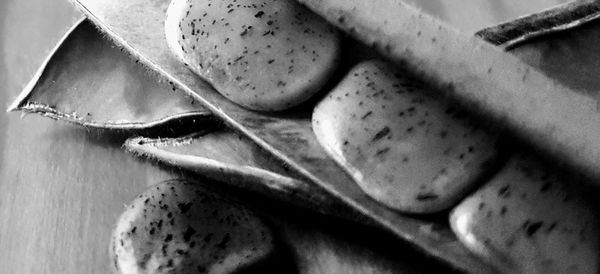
{"points": [[62, 187]]}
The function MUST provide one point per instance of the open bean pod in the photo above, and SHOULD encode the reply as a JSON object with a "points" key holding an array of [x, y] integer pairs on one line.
{"points": [[288, 137]]}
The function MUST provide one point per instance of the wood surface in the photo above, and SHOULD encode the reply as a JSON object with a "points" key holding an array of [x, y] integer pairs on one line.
{"points": [[138, 28], [62, 187]]}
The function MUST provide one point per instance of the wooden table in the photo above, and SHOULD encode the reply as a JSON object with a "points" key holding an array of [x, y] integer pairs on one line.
{"points": [[62, 187]]}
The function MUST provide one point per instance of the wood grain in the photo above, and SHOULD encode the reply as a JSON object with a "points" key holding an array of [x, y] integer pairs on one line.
{"points": [[62, 187], [137, 26]]}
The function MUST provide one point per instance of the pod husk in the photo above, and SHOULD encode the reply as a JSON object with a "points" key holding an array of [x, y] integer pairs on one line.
{"points": [[231, 159], [557, 19], [553, 118], [89, 81], [136, 27]]}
